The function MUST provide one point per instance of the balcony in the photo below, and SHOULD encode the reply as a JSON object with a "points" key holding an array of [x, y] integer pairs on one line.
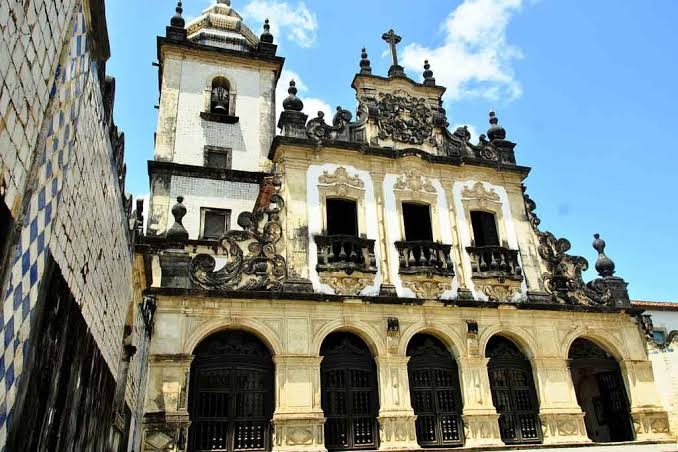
{"points": [[495, 262], [345, 253], [424, 257]]}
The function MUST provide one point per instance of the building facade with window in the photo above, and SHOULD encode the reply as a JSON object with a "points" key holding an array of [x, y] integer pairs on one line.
{"points": [[377, 283]]}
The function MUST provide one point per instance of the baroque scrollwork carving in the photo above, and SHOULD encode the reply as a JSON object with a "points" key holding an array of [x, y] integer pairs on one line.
{"points": [[404, 118], [346, 285], [500, 292], [478, 191], [252, 261], [563, 276], [647, 327], [319, 131]]}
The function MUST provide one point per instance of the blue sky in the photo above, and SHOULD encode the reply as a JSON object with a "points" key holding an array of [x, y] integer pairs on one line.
{"points": [[586, 89]]}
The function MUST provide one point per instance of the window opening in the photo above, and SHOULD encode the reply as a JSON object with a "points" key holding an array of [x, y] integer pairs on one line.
{"points": [[342, 217], [217, 157], [6, 227], [484, 229], [417, 220], [215, 222], [220, 96]]}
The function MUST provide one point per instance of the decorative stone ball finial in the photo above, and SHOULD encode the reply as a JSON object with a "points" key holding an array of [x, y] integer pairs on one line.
{"points": [[365, 67], [224, 2], [495, 132], [266, 36], [428, 74], [177, 20], [178, 231], [292, 102], [604, 265]]}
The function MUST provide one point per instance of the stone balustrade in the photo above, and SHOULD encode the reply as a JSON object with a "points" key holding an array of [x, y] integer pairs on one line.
{"points": [[495, 262], [424, 256], [345, 253]]}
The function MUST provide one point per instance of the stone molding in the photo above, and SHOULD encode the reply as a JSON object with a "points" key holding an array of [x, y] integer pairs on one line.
{"points": [[559, 428]]}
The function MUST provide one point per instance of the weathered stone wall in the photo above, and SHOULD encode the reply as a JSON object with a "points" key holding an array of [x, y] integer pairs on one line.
{"points": [[62, 186], [665, 364]]}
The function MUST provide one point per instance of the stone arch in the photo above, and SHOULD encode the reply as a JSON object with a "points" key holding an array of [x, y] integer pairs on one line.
{"points": [[212, 75], [520, 336], [361, 329], [447, 335], [260, 330], [599, 337]]}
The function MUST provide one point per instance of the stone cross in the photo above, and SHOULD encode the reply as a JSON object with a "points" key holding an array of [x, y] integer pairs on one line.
{"points": [[392, 39]]}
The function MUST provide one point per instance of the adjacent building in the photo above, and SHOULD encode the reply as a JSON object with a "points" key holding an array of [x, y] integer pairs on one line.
{"points": [[371, 283]]}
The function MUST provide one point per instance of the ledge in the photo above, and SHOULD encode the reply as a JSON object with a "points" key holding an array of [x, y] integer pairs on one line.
{"points": [[205, 172], [395, 154], [318, 297], [218, 117]]}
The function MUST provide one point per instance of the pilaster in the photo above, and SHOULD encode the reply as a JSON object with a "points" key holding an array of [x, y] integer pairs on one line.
{"points": [[396, 417], [561, 416], [650, 420], [480, 417], [298, 421]]}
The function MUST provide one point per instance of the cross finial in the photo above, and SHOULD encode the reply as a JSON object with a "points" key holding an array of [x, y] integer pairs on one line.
{"points": [[393, 39]]}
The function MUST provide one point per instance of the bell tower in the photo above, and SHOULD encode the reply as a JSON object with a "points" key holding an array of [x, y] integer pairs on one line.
{"points": [[216, 119]]}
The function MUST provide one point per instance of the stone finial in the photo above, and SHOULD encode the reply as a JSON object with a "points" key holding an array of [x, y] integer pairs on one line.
{"points": [[177, 20], [266, 36], [428, 75], [292, 102], [178, 231], [495, 132], [365, 67], [604, 265], [224, 2]]}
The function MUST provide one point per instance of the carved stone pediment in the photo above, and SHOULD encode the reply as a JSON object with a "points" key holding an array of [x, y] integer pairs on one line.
{"points": [[342, 182], [404, 118], [478, 191], [414, 180]]}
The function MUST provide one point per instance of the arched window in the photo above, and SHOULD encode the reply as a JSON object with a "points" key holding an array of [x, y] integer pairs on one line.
{"points": [[220, 98]]}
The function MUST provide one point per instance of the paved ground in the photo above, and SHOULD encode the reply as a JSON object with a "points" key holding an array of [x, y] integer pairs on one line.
{"points": [[614, 448]]}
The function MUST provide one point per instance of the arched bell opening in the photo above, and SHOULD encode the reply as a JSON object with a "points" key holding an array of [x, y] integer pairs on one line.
{"points": [[231, 394], [601, 393], [435, 392], [220, 96], [350, 399], [513, 392]]}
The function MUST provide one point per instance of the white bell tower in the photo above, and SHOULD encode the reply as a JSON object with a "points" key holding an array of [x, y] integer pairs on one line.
{"points": [[216, 120]]}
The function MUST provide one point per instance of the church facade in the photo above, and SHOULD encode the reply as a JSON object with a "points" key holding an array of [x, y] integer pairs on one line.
{"points": [[359, 284]]}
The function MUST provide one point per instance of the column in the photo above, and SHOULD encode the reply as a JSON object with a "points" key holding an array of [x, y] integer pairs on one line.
{"points": [[298, 421], [650, 420], [166, 421], [481, 427], [396, 417], [561, 416]]}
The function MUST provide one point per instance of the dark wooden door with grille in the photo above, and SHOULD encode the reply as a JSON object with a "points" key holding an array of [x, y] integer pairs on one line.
{"points": [[435, 393], [616, 405], [231, 396], [513, 393], [349, 393]]}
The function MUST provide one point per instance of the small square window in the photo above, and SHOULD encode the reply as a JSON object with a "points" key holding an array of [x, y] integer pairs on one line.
{"points": [[215, 222], [659, 335], [216, 157]]}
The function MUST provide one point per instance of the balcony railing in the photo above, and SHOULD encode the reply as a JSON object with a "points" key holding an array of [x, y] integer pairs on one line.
{"points": [[425, 256], [345, 253], [494, 262]]}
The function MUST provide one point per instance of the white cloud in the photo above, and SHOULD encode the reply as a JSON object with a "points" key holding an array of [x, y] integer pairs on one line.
{"points": [[311, 105], [475, 58], [297, 23]]}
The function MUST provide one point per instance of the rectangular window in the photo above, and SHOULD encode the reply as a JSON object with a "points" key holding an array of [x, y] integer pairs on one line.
{"points": [[484, 229], [659, 335], [214, 222], [417, 220], [342, 217], [216, 157]]}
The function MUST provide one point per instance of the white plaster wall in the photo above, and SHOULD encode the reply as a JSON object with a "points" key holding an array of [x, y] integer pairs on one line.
{"points": [[464, 229], [236, 196], [249, 138], [315, 222], [394, 232]]}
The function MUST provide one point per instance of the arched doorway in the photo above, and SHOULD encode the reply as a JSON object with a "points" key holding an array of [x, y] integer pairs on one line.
{"points": [[601, 393], [231, 394], [513, 392], [435, 392], [349, 393]]}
